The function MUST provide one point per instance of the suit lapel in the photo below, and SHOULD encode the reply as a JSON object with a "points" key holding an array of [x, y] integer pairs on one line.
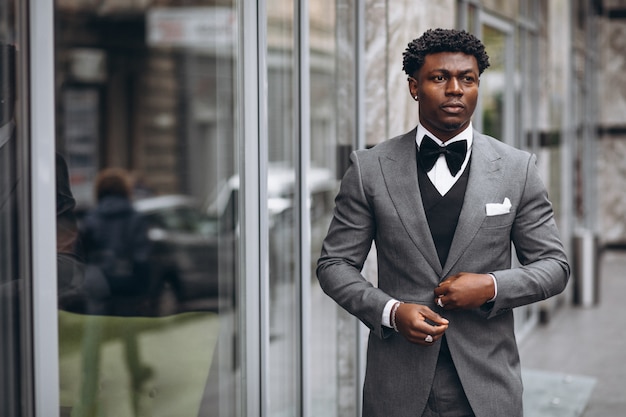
{"points": [[399, 168], [482, 187]]}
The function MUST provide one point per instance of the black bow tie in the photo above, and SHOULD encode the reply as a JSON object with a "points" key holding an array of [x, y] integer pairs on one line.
{"points": [[455, 152]]}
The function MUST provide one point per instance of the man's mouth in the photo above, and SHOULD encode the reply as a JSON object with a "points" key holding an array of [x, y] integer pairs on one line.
{"points": [[453, 108]]}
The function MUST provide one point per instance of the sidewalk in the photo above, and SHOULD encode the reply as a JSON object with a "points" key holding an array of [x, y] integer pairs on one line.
{"points": [[575, 366]]}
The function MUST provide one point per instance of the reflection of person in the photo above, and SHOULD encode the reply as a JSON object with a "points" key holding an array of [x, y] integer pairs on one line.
{"points": [[69, 264], [67, 261], [116, 247], [12, 243], [443, 242]]}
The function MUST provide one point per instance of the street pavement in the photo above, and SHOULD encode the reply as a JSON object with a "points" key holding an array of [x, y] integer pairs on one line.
{"points": [[575, 364]]}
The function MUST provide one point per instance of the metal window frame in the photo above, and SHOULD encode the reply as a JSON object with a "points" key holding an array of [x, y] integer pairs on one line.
{"points": [[302, 121], [360, 143], [254, 341], [42, 160], [45, 335]]}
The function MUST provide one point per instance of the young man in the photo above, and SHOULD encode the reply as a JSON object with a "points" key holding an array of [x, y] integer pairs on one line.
{"points": [[444, 203]]}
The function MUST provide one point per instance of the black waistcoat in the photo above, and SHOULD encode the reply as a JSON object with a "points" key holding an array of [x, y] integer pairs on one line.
{"points": [[442, 211]]}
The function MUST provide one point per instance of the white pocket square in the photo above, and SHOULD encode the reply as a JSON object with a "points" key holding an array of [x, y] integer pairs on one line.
{"points": [[495, 209]]}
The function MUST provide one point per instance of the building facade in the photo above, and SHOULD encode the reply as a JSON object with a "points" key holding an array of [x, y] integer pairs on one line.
{"points": [[233, 121], [610, 111]]}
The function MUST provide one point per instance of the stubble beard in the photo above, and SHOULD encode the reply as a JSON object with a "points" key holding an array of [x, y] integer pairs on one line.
{"points": [[451, 127]]}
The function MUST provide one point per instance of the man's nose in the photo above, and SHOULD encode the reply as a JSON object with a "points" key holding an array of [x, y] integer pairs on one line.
{"points": [[454, 87]]}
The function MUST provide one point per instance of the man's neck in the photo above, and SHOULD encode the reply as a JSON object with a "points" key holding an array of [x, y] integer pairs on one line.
{"points": [[464, 134]]}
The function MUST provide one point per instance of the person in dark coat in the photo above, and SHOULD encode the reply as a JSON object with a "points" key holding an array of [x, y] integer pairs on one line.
{"points": [[116, 248], [114, 239]]}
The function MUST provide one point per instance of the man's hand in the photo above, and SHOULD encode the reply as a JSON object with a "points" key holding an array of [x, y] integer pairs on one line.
{"points": [[465, 291], [416, 322]]}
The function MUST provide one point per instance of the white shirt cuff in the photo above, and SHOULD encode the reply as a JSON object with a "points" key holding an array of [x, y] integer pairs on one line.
{"points": [[387, 311], [495, 288]]}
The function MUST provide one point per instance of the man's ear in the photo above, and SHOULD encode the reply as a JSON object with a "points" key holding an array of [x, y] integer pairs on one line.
{"points": [[413, 88]]}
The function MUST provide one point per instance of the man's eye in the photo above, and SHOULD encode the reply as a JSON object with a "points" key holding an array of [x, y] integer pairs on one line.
{"points": [[439, 78]]}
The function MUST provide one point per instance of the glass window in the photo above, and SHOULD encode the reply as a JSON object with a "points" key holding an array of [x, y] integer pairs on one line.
{"points": [[498, 82], [284, 235], [15, 277], [493, 83], [146, 114], [334, 362]]}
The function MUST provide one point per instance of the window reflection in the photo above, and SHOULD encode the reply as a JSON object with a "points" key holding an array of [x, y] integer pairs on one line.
{"points": [[333, 362], [284, 375], [493, 83], [146, 123], [14, 277]]}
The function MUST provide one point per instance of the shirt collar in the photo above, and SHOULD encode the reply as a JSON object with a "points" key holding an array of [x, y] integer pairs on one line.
{"points": [[6, 132], [466, 134]]}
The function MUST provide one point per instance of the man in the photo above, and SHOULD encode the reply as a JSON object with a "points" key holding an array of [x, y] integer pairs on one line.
{"points": [[443, 230]]}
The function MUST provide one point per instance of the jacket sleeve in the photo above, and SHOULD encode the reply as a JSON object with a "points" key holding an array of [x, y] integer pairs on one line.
{"points": [[543, 269], [345, 249]]}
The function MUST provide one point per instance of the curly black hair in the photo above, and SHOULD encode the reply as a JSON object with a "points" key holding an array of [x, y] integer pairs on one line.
{"points": [[443, 40]]}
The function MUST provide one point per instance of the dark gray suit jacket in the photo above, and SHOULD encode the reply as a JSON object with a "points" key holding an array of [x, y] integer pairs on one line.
{"points": [[380, 201]]}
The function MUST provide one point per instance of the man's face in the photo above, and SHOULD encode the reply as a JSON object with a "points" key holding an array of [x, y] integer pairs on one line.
{"points": [[447, 90]]}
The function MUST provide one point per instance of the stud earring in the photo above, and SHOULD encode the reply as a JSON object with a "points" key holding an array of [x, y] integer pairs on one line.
{"points": [[415, 97]]}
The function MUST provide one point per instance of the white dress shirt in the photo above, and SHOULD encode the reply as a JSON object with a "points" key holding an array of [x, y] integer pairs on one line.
{"points": [[443, 181], [440, 174]]}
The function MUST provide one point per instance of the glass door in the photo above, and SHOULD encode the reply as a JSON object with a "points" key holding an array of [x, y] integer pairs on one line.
{"points": [[147, 136], [334, 357], [283, 371]]}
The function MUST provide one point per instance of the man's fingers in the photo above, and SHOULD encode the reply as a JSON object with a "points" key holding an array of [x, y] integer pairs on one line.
{"points": [[444, 286], [440, 290], [435, 318], [427, 335], [419, 324]]}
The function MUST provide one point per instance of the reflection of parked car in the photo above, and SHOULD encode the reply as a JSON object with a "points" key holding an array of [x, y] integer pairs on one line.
{"points": [[195, 250], [281, 195], [190, 255]]}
